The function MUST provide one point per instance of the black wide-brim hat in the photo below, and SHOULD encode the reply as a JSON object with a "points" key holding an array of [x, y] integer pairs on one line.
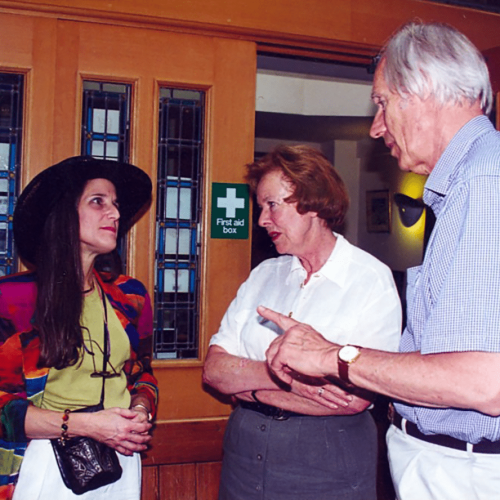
{"points": [[41, 195]]}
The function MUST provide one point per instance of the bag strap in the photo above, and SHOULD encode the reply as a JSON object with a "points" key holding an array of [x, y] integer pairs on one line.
{"points": [[106, 349]]}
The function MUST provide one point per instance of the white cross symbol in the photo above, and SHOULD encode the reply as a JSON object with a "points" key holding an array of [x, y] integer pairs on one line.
{"points": [[230, 202]]}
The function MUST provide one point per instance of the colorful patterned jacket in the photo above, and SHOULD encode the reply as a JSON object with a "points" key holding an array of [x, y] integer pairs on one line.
{"points": [[22, 383]]}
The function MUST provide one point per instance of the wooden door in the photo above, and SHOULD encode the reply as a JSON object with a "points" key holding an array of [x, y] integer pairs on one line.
{"points": [[57, 55]]}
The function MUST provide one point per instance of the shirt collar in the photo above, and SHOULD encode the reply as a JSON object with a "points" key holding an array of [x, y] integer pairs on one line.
{"points": [[443, 174], [336, 267]]}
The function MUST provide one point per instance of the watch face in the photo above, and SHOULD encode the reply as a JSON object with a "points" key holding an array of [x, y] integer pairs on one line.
{"points": [[349, 353]]}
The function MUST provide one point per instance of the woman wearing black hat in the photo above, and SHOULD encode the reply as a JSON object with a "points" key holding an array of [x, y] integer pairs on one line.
{"points": [[73, 335]]}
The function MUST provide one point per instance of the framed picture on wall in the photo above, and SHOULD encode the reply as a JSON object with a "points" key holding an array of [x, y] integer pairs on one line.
{"points": [[378, 211]]}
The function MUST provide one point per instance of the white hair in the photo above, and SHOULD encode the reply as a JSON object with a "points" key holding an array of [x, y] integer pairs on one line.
{"points": [[433, 58]]}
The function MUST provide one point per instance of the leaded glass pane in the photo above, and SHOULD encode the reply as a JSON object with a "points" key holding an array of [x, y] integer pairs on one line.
{"points": [[106, 120], [11, 113], [106, 126], [178, 219]]}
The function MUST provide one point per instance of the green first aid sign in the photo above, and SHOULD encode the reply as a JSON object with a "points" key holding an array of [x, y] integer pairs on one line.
{"points": [[230, 211]]}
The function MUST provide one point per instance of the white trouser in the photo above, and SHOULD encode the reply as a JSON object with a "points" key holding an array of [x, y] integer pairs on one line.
{"points": [[425, 471], [40, 479]]}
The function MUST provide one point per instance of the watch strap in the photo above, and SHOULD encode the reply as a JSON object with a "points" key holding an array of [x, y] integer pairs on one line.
{"points": [[344, 372]]}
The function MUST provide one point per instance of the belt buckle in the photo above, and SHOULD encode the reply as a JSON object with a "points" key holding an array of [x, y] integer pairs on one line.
{"points": [[280, 415]]}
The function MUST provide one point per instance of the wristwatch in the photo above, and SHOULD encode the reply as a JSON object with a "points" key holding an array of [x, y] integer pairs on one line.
{"points": [[346, 356]]}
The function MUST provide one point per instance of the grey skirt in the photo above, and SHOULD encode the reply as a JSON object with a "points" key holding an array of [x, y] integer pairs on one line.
{"points": [[302, 458]]}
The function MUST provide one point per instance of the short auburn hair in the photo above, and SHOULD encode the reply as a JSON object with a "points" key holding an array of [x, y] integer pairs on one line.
{"points": [[317, 187]]}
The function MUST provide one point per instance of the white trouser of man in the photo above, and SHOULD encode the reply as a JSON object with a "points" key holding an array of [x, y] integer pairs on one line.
{"points": [[426, 471]]}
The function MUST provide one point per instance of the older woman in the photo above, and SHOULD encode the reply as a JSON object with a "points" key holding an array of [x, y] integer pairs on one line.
{"points": [[311, 439], [72, 335]]}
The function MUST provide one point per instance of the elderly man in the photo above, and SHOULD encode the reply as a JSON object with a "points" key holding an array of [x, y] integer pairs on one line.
{"points": [[432, 90]]}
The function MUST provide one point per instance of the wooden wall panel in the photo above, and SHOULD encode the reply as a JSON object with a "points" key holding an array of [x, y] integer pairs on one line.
{"points": [[186, 456], [67, 105], [493, 60], [177, 482], [28, 46], [327, 27], [187, 441], [207, 481], [189, 398], [237, 92], [150, 483], [181, 481], [497, 98]]}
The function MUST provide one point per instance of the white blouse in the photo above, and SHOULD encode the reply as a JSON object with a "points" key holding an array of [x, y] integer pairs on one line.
{"points": [[352, 299]]}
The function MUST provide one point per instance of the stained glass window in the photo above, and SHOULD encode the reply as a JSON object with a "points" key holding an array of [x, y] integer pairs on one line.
{"points": [[106, 120], [11, 117], [178, 219], [106, 127]]}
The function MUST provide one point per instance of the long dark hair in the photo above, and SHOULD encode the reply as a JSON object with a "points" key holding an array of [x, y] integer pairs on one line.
{"points": [[59, 280]]}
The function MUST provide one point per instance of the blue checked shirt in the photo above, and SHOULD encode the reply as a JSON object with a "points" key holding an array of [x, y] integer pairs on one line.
{"points": [[454, 296]]}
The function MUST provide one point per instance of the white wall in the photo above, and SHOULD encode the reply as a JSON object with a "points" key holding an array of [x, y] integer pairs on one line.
{"points": [[316, 96], [347, 163]]}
